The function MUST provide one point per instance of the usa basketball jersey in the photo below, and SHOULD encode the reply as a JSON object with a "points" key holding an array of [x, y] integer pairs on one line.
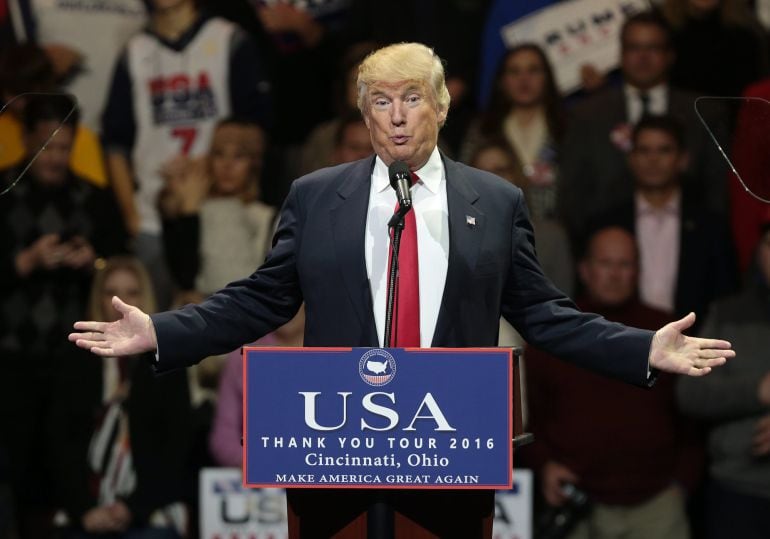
{"points": [[178, 95]]}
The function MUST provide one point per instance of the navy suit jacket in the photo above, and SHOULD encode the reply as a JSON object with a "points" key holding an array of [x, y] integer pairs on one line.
{"points": [[318, 257]]}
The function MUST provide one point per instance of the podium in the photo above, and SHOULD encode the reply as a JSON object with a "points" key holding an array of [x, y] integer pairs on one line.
{"points": [[458, 431]]}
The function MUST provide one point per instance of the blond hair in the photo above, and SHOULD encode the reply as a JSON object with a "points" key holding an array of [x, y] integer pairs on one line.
{"points": [[403, 62], [107, 267]]}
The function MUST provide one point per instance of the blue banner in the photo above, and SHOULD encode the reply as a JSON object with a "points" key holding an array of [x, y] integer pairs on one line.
{"points": [[377, 418]]}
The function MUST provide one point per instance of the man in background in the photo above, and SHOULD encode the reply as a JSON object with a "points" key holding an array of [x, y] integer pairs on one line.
{"points": [[677, 236], [54, 226], [626, 448], [594, 171]]}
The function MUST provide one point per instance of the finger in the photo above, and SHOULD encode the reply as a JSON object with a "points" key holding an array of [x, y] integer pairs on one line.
{"points": [[717, 344], [715, 362], [120, 306], [91, 325], [87, 336], [713, 353], [683, 323], [566, 476], [554, 496], [761, 437], [760, 444], [698, 372], [96, 347], [49, 240]]}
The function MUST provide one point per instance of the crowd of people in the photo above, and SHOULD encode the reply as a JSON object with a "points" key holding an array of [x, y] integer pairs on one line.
{"points": [[162, 184]]}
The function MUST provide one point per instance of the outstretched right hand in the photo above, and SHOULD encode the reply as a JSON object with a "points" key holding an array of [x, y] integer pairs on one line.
{"points": [[132, 334]]}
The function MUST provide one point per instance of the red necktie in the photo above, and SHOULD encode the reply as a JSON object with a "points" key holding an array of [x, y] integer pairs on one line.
{"points": [[406, 311]]}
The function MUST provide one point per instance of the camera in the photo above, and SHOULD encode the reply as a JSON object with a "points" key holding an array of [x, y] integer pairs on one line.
{"points": [[557, 522]]}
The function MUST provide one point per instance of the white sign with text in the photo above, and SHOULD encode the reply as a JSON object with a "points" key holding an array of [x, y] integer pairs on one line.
{"points": [[228, 510], [574, 33]]}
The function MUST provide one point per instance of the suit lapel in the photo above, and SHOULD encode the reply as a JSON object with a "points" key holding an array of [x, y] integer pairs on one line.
{"points": [[348, 222], [466, 231]]}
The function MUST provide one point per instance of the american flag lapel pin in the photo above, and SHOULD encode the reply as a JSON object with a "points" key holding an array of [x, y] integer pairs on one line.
{"points": [[470, 221]]}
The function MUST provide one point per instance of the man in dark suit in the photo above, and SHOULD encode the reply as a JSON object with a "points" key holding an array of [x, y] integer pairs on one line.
{"points": [[476, 261], [678, 237], [593, 171]]}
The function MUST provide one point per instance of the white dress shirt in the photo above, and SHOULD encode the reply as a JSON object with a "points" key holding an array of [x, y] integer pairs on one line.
{"points": [[432, 217], [657, 231], [658, 104]]}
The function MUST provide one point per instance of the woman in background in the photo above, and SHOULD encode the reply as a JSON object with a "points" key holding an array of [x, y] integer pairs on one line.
{"points": [[525, 113], [215, 229], [119, 435]]}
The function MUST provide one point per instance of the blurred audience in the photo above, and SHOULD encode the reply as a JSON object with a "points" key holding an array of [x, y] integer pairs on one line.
{"points": [[351, 140], [54, 226], [215, 229], [625, 447], [27, 69], [172, 84], [677, 235], [118, 433], [227, 430], [82, 40], [734, 400], [318, 150], [525, 111], [594, 173], [300, 41], [718, 45]]}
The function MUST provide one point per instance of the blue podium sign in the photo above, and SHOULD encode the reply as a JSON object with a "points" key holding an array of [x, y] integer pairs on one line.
{"points": [[378, 418]]}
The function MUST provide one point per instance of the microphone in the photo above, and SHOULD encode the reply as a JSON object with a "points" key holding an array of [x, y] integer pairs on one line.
{"points": [[401, 181]]}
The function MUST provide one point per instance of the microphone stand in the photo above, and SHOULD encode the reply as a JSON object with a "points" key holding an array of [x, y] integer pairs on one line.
{"points": [[396, 225], [380, 523]]}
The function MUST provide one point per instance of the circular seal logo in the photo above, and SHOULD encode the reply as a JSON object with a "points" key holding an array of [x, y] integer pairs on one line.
{"points": [[377, 367]]}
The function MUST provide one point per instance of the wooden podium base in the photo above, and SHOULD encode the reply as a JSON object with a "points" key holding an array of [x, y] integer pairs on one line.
{"points": [[418, 514]]}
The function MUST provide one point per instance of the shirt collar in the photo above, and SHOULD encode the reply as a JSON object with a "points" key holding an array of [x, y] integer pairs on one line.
{"points": [[431, 173], [657, 94], [670, 208]]}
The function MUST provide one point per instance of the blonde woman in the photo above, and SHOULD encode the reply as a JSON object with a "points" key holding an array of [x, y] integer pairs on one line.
{"points": [[215, 228], [119, 434]]}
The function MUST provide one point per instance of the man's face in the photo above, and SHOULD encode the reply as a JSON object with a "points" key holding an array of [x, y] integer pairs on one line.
{"points": [[645, 59], [52, 164], [609, 272], [355, 144], [656, 160], [403, 122]]}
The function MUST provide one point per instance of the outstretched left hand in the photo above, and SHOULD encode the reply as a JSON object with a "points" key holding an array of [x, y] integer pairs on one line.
{"points": [[674, 352]]}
